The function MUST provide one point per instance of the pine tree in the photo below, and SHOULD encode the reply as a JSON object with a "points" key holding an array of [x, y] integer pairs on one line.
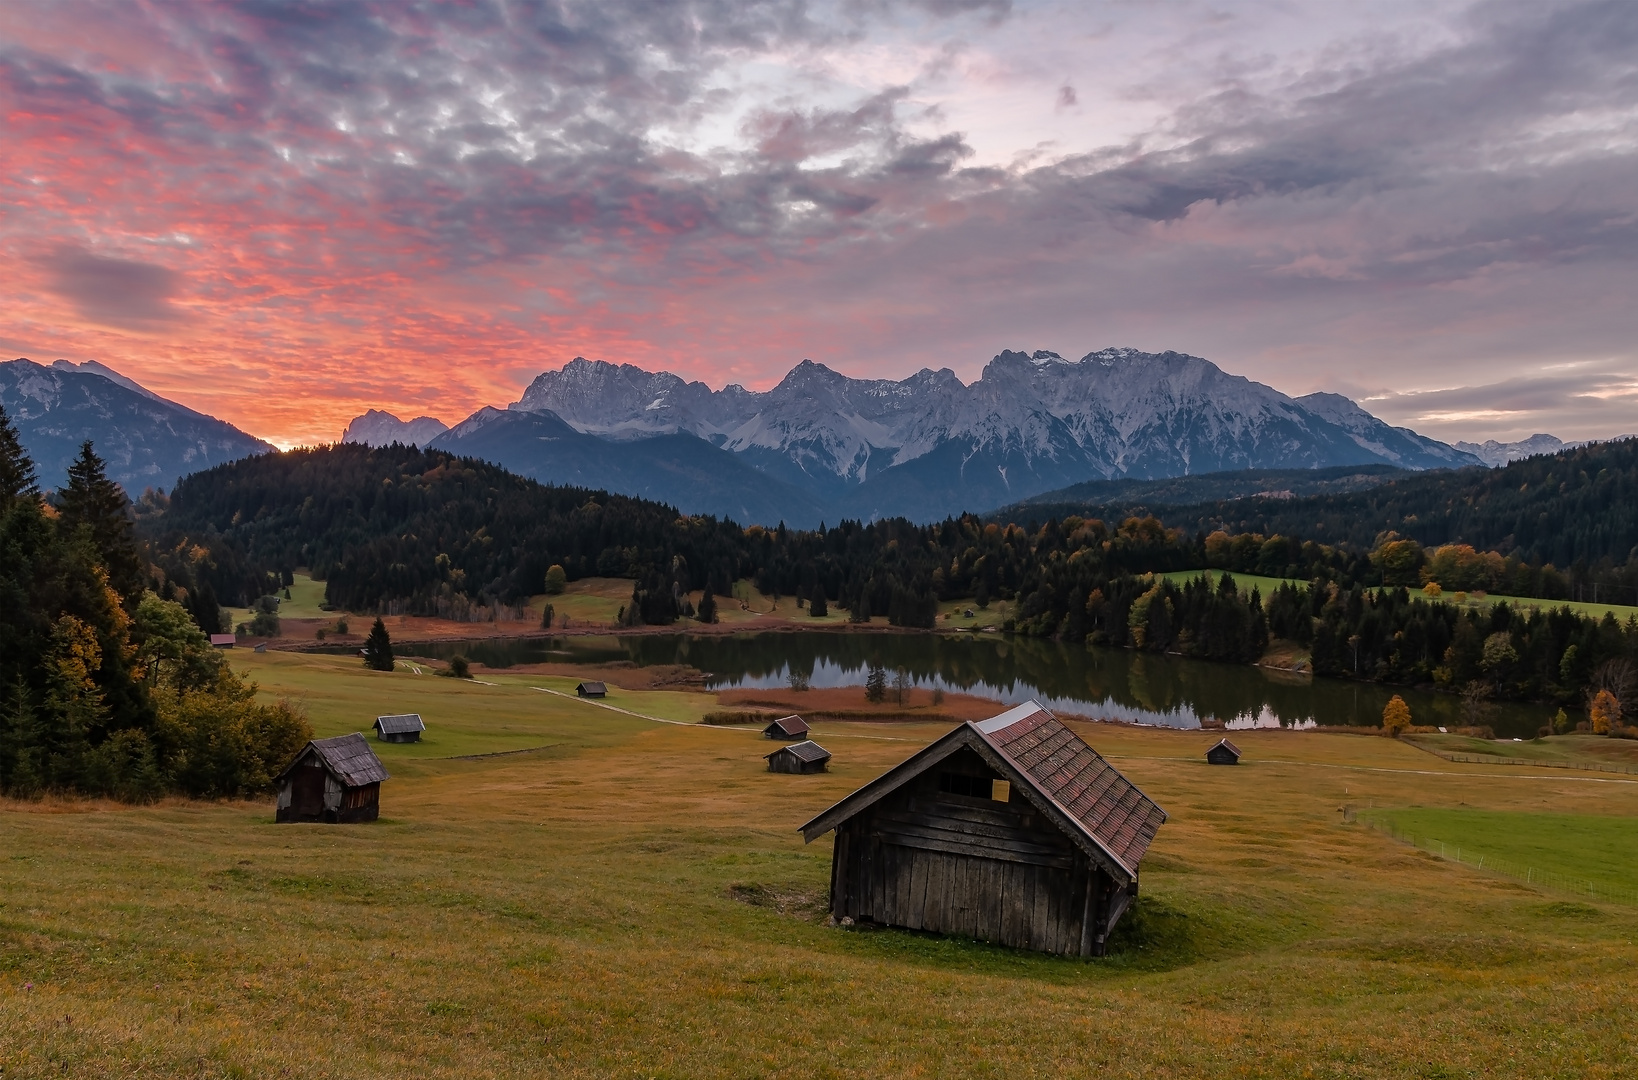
{"points": [[817, 606], [16, 470], [708, 607], [97, 504], [378, 648], [876, 684]]}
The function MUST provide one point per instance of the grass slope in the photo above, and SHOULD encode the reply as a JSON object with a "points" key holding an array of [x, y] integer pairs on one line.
{"points": [[635, 902], [1599, 849]]}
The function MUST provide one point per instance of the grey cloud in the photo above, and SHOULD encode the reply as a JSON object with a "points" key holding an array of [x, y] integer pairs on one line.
{"points": [[115, 292]]}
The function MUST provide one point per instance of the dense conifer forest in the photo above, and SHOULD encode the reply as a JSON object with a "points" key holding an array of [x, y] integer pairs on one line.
{"points": [[105, 687], [402, 530]]}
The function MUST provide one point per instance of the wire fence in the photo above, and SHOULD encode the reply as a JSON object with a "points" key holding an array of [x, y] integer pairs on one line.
{"points": [[1521, 872], [1496, 759]]}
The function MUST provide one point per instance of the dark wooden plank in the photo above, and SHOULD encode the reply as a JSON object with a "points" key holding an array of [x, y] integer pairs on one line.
{"points": [[915, 906], [1040, 920], [1012, 833], [957, 845]]}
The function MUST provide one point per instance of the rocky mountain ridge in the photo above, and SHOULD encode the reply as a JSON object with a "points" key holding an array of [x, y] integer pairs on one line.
{"points": [[146, 440], [930, 445]]}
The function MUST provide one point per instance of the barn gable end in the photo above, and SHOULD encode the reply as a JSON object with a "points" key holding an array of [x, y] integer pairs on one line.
{"points": [[1012, 830]]}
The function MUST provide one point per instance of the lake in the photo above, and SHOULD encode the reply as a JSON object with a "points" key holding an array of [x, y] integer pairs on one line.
{"points": [[1109, 684]]}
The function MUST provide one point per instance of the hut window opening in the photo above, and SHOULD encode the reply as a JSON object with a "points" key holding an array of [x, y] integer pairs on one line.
{"points": [[975, 787]]}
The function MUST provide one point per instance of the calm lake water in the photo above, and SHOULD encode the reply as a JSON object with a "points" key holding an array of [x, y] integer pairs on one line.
{"points": [[1104, 683]]}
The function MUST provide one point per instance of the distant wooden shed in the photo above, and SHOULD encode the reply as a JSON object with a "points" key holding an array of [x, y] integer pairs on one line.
{"points": [[802, 757], [333, 780], [787, 727], [591, 689], [223, 641], [1010, 830], [1224, 753], [401, 727]]}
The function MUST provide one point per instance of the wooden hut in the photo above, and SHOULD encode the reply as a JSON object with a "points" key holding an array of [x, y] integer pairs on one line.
{"points": [[1224, 753], [1010, 830], [591, 689], [787, 727], [223, 641], [335, 780], [802, 757], [401, 727]]}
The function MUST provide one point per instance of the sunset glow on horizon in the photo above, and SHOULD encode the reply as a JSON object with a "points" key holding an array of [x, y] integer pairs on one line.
{"points": [[284, 215]]}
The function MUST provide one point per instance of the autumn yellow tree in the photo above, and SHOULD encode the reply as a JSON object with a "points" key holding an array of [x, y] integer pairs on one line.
{"points": [[1605, 712], [1396, 717]]}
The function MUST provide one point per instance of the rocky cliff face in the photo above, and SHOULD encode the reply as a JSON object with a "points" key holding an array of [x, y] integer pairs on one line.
{"points": [[146, 440], [932, 445], [377, 428]]}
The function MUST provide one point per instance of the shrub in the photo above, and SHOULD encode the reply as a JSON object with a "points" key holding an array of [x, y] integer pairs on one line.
{"points": [[458, 668], [556, 580]]}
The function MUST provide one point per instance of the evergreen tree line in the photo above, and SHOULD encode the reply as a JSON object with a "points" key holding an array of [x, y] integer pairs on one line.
{"points": [[408, 527], [105, 687], [1558, 524]]}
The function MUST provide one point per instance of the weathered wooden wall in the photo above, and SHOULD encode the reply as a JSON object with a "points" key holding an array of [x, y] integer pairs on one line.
{"points": [[928, 859]]}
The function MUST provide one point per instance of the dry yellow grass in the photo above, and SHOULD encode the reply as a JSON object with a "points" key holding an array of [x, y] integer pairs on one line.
{"points": [[582, 911]]}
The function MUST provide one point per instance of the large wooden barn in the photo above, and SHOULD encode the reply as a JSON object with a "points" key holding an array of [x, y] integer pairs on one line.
{"points": [[1010, 830], [335, 780]]}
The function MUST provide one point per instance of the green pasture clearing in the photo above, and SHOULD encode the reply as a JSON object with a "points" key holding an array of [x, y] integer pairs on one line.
{"points": [[635, 902], [1597, 848], [305, 597], [1621, 612], [1243, 582], [1473, 600], [1550, 750]]}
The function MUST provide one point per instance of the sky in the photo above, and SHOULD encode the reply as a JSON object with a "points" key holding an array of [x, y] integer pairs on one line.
{"points": [[285, 213]]}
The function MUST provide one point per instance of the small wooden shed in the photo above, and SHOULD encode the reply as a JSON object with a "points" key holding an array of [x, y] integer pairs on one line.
{"points": [[401, 727], [591, 689], [787, 727], [223, 641], [333, 780], [1011, 830], [802, 757], [1224, 753]]}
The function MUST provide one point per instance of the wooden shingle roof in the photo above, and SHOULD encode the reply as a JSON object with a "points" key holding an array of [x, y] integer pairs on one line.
{"points": [[1105, 803], [790, 725], [1052, 767], [806, 751], [348, 757], [1235, 750], [399, 723]]}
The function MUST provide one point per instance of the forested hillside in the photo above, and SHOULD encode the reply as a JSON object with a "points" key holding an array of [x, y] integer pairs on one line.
{"points": [[397, 529]]}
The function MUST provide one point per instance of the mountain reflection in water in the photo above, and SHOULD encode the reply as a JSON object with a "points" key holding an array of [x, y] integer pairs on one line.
{"points": [[1110, 684]]}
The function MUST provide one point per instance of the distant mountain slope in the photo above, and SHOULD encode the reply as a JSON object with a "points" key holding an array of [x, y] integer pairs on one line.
{"points": [[679, 469], [377, 428], [1095, 497], [146, 440], [928, 446]]}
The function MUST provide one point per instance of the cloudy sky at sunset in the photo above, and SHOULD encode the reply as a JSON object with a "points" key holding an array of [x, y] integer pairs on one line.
{"points": [[282, 214]]}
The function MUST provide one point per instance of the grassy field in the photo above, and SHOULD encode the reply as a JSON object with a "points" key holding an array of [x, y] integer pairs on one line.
{"points": [[1552, 750], [1244, 582], [633, 901], [1601, 850]]}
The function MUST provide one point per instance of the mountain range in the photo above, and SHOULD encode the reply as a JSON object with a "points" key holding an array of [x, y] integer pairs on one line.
{"points": [[823, 445], [818, 446], [146, 440]]}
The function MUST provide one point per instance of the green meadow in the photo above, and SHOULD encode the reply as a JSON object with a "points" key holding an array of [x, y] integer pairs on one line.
{"points": [[629, 898]]}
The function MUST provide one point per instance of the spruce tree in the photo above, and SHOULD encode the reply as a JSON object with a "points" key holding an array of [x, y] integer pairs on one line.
{"points": [[99, 505], [16, 470], [817, 606], [378, 648], [708, 607]]}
